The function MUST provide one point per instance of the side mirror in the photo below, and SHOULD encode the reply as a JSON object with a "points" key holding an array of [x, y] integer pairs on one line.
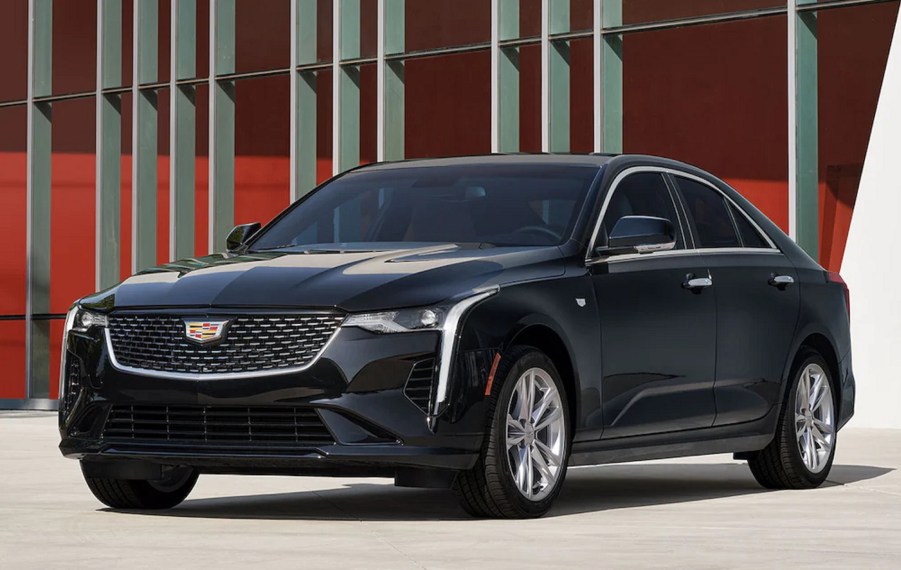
{"points": [[240, 234], [639, 234]]}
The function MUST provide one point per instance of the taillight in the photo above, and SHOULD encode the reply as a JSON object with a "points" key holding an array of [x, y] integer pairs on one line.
{"points": [[834, 277]]}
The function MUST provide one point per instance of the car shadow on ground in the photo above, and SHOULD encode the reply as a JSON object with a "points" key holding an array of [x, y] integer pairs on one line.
{"points": [[591, 489]]}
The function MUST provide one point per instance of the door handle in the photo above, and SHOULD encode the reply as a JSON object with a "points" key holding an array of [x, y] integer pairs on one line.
{"points": [[781, 281], [697, 283]]}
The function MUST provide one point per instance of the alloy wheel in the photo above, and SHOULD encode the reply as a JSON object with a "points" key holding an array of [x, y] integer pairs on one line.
{"points": [[814, 418], [535, 434]]}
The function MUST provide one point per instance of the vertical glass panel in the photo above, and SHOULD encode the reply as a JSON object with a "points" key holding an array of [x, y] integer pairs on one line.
{"points": [[529, 98], [852, 51], [202, 169], [13, 195], [715, 96], [262, 35], [162, 38], [324, 124], [72, 211], [368, 111], [125, 189], [162, 182], [162, 176], [434, 24], [12, 355], [14, 47], [640, 11], [448, 105], [581, 95], [262, 147], [74, 46]]}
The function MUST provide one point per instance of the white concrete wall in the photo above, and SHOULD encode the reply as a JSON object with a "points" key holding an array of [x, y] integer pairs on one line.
{"points": [[872, 261]]}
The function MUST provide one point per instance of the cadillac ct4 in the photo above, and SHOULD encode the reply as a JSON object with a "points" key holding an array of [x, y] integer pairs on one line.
{"points": [[475, 323]]}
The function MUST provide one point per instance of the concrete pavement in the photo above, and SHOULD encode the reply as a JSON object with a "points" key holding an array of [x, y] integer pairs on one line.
{"points": [[698, 513]]}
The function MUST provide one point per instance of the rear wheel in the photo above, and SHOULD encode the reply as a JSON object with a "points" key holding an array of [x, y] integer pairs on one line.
{"points": [[163, 493], [526, 449], [800, 455]]}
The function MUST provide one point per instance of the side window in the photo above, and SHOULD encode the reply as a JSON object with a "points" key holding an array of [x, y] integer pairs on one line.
{"points": [[709, 215], [750, 237], [641, 194]]}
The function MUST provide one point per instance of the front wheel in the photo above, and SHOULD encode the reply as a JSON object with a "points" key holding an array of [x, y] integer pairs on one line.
{"points": [[801, 453], [523, 460], [164, 493]]}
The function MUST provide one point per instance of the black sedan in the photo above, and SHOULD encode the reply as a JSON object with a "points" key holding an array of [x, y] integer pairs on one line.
{"points": [[471, 323]]}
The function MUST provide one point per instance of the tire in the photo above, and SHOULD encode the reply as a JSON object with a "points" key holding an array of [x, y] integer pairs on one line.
{"points": [[783, 464], [140, 494], [490, 488]]}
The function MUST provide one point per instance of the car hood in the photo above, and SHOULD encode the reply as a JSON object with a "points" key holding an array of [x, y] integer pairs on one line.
{"points": [[350, 280]]}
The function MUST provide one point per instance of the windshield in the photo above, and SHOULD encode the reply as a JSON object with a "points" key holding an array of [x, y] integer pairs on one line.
{"points": [[519, 205]]}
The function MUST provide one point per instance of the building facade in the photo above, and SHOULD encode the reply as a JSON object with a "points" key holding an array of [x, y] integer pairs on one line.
{"points": [[134, 132]]}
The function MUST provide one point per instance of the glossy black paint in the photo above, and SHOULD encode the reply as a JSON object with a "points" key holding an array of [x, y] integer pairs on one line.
{"points": [[652, 368]]}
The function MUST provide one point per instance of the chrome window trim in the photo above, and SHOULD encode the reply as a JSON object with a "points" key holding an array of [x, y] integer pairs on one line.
{"points": [[212, 375], [614, 186], [675, 173], [593, 259], [622, 258]]}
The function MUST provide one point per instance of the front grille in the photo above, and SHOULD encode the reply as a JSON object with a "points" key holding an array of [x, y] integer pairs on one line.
{"points": [[251, 343], [217, 425], [419, 385]]}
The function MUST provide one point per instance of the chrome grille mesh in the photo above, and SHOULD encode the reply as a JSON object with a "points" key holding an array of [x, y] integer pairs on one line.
{"points": [[252, 343]]}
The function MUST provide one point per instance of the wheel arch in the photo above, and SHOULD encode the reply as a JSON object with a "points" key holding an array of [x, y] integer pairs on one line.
{"points": [[543, 337], [825, 348]]}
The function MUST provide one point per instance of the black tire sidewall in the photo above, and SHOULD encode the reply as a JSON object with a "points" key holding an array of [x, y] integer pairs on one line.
{"points": [[532, 358]]}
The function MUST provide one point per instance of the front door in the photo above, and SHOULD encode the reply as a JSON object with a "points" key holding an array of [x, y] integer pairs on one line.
{"points": [[658, 323]]}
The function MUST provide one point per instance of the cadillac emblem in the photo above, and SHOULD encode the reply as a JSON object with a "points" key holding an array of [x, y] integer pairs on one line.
{"points": [[203, 332]]}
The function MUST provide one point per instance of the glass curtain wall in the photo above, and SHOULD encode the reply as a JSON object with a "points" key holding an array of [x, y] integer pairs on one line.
{"points": [[135, 132]]}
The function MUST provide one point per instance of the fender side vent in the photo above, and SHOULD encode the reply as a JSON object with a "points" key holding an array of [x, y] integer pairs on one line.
{"points": [[420, 384]]}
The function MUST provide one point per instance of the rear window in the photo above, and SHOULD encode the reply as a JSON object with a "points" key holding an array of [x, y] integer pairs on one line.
{"points": [[709, 215]]}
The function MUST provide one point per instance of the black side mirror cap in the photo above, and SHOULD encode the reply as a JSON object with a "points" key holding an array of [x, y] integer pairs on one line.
{"points": [[639, 234], [240, 235]]}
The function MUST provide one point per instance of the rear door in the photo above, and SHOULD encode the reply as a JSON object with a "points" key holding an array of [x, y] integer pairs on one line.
{"points": [[757, 299], [657, 336]]}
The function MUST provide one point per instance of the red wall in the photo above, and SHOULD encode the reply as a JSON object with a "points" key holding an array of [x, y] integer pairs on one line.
{"points": [[713, 95]]}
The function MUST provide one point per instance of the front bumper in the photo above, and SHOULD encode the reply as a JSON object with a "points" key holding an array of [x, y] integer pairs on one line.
{"points": [[357, 389]]}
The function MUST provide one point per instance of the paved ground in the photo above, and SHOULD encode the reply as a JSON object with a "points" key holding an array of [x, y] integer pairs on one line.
{"points": [[697, 513]]}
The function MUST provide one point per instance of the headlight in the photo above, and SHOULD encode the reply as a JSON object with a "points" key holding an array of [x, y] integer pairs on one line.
{"points": [[404, 320], [84, 320]]}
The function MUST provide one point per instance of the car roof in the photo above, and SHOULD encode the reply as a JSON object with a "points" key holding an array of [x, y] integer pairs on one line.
{"points": [[596, 160]]}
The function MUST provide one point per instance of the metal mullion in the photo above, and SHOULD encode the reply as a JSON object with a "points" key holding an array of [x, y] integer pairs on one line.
{"points": [[144, 136], [830, 4], [303, 98], [345, 86], [108, 143], [182, 120], [504, 76], [554, 77], [690, 21], [390, 82], [608, 53], [803, 175], [222, 122], [38, 196]]}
